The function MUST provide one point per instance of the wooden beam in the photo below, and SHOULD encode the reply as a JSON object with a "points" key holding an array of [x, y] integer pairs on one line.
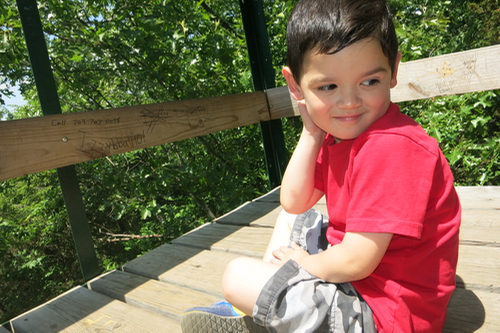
{"points": [[281, 104], [37, 144], [450, 74]]}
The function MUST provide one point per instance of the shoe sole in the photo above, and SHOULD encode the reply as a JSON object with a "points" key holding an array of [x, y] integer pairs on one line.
{"points": [[202, 322]]}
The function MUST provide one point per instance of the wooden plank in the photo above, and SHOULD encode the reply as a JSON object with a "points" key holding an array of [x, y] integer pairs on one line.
{"points": [[37, 144], [480, 225], [246, 241], [43, 143], [184, 266], [4, 330], [479, 267], [281, 103], [164, 299], [274, 196], [480, 214], [473, 311], [271, 196], [258, 214], [450, 74], [479, 197], [262, 211], [252, 213], [81, 310]]}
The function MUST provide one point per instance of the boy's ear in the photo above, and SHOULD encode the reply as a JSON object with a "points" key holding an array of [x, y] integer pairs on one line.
{"points": [[294, 87], [394, 77]]}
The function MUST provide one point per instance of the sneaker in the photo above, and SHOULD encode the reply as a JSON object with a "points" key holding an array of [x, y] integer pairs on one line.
{"points": [[220, 317]]}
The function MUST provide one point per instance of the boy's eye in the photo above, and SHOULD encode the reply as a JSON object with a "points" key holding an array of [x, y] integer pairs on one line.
{"points": [[370, 82], [328, 87]]}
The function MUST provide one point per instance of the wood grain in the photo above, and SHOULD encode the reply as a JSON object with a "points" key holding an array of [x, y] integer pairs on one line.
{"points": [[189, 267], [81, 310], [479, 267], [450, 74], [479, 197], [162, 298], [247, 241], [43, 143]]}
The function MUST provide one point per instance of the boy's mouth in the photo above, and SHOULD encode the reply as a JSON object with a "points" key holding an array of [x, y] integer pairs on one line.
{"points": [[349, 118]]}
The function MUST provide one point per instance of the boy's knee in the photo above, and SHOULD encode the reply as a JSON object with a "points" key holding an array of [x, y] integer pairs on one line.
{"points": [[232, 277], [286, 218]]}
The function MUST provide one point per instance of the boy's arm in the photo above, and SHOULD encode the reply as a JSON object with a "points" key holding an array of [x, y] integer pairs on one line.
{"points": [[298, 193], [354, 259]]}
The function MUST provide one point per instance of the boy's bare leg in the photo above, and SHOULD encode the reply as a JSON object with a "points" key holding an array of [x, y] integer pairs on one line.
{"points": [[244, 278]]}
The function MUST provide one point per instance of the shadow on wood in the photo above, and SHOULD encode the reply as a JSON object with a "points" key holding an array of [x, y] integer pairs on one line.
{"points": [[466, 313], [258, 212], [190, 274], [80, 308]]}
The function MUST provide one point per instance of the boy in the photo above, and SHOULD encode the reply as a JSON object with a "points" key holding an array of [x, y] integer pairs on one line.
{"points": [[394, 216]]}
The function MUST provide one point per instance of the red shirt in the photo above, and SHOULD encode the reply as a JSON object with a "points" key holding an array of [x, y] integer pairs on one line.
{"points": [[393, 178]]}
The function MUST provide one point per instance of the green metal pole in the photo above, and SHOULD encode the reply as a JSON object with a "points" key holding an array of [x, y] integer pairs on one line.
{"points": [[49, 101], [263, 78]]}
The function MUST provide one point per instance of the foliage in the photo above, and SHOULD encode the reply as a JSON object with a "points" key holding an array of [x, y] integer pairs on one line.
{"points": [[108, 55], [14, 64], [112, 54], [38, 256], [467, 126]]}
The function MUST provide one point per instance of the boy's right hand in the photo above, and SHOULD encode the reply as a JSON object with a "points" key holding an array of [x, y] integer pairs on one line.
{"points": [[309, 126], [298, 193]]}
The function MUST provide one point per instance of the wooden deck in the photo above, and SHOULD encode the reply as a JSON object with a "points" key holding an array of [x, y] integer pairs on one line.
{"points": [[150, 293]]}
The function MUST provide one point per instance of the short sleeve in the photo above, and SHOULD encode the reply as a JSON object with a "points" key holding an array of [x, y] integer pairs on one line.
{"points": [[390, 185]]}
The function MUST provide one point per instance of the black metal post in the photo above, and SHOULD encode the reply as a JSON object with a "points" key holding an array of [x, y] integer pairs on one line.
{"points": [[49, 100], [263, 78]]}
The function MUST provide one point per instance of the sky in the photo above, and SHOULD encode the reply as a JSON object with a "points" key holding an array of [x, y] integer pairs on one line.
{"points": [[12, 101], [17, 99]]}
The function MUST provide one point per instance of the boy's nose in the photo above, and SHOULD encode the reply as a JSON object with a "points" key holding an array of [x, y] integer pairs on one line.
{"points": [[349, 99]]}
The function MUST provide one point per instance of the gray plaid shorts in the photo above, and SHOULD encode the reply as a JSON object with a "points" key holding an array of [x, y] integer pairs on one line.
{"points": [[295, 301]]}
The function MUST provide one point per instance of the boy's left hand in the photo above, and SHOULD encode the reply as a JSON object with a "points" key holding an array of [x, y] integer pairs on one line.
{"points": [[284, 253]]}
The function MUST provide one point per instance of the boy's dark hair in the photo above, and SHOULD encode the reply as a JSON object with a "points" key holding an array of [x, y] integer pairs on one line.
{"points": [[331, 25]]}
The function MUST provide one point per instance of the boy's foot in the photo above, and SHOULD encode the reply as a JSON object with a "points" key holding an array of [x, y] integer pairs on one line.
{"points": [[220, 317]]}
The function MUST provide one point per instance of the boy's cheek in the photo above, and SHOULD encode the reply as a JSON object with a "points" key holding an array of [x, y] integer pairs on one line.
{"points": [[316, 106]]}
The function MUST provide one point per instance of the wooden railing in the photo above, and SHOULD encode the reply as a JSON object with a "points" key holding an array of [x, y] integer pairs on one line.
{"points": [[48, 142], [37, 144]]}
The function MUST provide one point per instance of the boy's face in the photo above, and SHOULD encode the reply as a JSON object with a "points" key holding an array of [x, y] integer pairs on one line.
{"points": [[347, 91]]}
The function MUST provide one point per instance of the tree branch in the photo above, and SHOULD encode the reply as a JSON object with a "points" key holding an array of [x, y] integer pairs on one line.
{"points": [[125, 237], [223, 23]]}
